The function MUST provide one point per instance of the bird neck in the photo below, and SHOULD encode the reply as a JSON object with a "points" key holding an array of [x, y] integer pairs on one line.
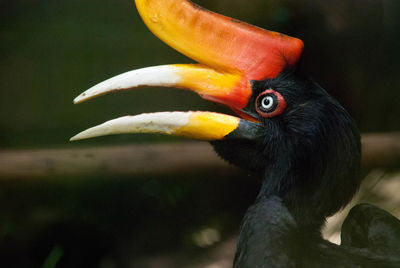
{"points": [[298, 202], [266, 233], [315, 172]]}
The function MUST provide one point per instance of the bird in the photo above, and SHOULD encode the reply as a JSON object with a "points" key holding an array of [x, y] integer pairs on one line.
{"points": [[304, 146]]}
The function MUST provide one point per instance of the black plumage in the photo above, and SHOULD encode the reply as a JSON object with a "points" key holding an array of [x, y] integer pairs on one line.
{"points": [[309, 160], [271, 237]]}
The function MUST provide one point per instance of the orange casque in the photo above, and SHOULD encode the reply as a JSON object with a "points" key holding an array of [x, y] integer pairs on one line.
{"points": [[230, 47]]}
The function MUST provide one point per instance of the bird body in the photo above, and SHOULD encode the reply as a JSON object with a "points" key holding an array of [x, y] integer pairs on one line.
{"points": [[301, 142], [270, 237]]}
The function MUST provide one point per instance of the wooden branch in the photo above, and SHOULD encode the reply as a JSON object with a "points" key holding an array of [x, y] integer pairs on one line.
{"points": [[127, 159], [381, 149], [378, 150]]}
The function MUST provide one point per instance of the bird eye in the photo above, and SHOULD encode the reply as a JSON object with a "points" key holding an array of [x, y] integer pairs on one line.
{"points": [[270, 103]]}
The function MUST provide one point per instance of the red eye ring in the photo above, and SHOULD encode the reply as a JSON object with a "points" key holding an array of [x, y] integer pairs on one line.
{"points": [[270, 103]]}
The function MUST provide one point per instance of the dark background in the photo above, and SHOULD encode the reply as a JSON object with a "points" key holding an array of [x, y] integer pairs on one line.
{"points": [[52, 50]]}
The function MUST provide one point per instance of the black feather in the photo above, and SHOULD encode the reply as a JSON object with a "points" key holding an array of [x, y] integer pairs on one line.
{"points": [[309, 160]]}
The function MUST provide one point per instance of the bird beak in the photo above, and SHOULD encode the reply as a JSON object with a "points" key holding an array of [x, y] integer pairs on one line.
{"points": [[219, 86], [230, 54], [196, 125]]}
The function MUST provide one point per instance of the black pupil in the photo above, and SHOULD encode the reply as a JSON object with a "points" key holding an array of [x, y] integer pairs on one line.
{"points": [[267, 103]]}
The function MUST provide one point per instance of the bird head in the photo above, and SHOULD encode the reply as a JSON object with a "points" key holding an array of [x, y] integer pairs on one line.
{"points": [[287, 127]]}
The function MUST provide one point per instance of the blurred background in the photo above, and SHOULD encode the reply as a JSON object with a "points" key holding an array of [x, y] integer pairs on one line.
{"points": [[151, 200]]}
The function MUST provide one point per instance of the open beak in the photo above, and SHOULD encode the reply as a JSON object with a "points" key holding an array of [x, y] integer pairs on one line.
{"points": [[230, 54]]}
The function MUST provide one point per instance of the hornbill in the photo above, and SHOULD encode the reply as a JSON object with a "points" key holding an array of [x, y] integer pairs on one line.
{"points": [[291, 132]]}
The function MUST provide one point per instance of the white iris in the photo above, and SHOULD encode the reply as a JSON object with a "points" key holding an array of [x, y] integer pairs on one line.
{"points": [[267, 102]]}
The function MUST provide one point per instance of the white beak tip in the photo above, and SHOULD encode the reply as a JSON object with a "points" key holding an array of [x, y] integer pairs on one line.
{"points": [[74, 138], [81, 98], [83, 135]]}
